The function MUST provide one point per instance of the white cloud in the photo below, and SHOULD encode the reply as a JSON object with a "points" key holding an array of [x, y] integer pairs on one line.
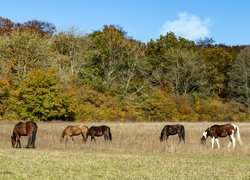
{"points": [[188, 26]]}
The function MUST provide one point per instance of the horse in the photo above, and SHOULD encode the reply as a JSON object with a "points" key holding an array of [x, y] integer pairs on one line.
{"points": [[29, 129], [216, 131], [99, 131], [74, 130], [172, 130]]}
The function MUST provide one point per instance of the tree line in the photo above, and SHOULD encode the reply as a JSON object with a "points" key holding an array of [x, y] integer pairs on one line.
{"points": [[108, 76]]}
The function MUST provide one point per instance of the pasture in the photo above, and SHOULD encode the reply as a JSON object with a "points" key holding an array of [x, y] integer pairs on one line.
{"points": [[134, 153]]}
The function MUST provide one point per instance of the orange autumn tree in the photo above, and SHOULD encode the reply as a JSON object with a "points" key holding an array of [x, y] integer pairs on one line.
{"points": [[41, 98]]}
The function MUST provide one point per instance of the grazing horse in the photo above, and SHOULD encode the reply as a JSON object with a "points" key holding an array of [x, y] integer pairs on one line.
{"points": [[217, 131], [29, 129], [172, 130], [99, 131], [74, 130]]}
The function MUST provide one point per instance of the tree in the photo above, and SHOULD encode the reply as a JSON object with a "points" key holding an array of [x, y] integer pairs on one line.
{"points": [[69, 49], [40, 98], [4, 95], [23, 51], [132, 69], [40, 27], [206, 42], [156, 49], [184, 70], [239, 83], [111, 49], [6, 26], [218, 62]]}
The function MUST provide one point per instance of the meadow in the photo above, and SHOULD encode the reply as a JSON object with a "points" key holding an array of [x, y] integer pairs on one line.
{"points": [[134, 153]]}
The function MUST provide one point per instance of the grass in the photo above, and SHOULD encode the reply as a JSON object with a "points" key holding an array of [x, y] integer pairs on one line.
{"points": [[135, 153]]}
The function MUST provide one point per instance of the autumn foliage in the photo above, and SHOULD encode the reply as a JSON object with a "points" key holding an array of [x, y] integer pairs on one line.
{"points": [[108, 76]]}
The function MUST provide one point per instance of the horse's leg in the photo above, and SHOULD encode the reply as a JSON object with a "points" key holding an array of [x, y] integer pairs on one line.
{"points": [[83, 138], [33, 141], [230, 142], [183, 138], [217, 141], [166, 137], [233, 140], [105, 137], [212, 142], [66, 140], [93, 138], [29, 141], [180, 137], [18, 145]]}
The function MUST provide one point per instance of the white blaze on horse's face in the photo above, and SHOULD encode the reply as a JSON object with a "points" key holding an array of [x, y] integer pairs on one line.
{"points": [[205, 134]]}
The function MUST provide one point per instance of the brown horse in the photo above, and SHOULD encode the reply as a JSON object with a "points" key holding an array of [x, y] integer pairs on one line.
{"points": [[29, 129], [172, 130], [74, 130], [99, 131], [225, 130]]}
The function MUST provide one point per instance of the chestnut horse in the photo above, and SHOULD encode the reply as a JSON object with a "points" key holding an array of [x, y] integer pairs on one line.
{"points": [[172, 130], [29, 129], [225, 130], [74, 130], [99, 131]]}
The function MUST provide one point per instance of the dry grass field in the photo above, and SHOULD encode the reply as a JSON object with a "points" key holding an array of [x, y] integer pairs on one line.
{"points": [[134, 153]]}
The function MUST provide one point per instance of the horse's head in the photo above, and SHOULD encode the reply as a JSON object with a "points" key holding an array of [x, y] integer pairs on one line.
{"points": [[204, 136], [13, 141]]}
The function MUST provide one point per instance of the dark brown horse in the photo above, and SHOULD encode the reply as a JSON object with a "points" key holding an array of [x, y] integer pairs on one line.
{"points": [[99, 131], [29, 129], [225, 130], [75, 130], [172, 130]]}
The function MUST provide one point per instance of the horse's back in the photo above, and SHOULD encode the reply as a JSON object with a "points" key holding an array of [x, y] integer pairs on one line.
{"points": [[84, 129], [72, 130], [173, 129], [98, 130], [105, 128], [222, 130], [24, 128]]}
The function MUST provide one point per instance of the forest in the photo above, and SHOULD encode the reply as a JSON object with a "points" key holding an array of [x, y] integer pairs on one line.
{"points": [[106, 75]]}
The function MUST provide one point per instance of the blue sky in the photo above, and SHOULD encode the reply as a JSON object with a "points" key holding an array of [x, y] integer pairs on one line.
{"points": [[226, 21]]}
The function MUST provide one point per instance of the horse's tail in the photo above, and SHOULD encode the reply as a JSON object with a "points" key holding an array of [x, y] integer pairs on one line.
{"points": [[238, 134], [33, 140], [110, 136], [183, 133]]}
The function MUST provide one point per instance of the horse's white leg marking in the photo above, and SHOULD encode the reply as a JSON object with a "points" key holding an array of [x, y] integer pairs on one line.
{"points": [[233, 139], [217, 141], [212, 142], [230, 142]]}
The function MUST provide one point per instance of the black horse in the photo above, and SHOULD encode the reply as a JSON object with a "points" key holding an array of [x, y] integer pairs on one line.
{"points": [[172, 130], [29, 129], [99, 131]]}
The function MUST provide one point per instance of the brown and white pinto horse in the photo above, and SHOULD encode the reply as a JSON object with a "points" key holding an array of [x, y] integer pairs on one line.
{"points": [[217, 131]]}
